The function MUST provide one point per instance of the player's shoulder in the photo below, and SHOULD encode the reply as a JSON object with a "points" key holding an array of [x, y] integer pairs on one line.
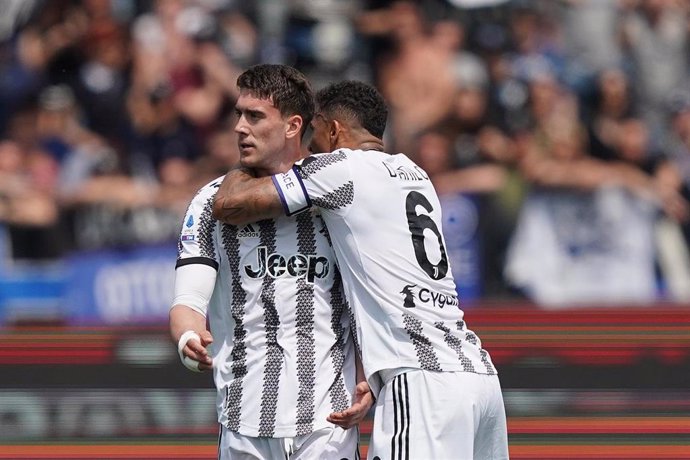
{"points": [[324, 158], [327, 163], [343, 156], [400, 159], [208, 190], [214, 184]]}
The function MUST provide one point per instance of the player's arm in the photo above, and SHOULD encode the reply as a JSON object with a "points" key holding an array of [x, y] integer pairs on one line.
{"points": [[363, 400], [195, 279], [324, 178], [243, 198], [194, 284]]}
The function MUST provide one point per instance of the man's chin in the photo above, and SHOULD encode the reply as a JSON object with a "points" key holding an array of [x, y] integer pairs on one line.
{"points": [[247, 161]]}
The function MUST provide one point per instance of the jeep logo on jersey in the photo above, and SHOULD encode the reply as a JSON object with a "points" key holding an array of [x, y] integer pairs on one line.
{"points": [[297, 265], [414, 297]]}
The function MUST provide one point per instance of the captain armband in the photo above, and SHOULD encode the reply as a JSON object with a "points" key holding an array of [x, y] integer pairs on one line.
{"points": [[293, 194]]}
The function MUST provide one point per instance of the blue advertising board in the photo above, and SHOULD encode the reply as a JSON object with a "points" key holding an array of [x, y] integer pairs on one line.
{"points": [[121, 286]]}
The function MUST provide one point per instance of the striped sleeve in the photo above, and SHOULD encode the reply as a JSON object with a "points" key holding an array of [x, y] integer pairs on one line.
{"points": [[197, 244]]}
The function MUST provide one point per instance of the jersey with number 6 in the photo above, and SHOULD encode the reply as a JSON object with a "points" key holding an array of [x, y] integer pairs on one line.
{"points": [[384, 219]]}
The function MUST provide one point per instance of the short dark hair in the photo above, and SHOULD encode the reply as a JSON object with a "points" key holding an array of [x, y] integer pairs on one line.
{"points": [[287, 87], [356, 100]]}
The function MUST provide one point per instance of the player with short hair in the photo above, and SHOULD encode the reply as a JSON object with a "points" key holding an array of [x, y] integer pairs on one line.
{"points": [[438, 393], [279, 344]]}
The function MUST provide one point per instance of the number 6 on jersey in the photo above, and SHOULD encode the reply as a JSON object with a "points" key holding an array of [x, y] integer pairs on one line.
{"points": [[417, 224]]}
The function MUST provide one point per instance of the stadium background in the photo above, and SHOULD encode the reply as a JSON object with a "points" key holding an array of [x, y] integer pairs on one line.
{"points": [[112, 113]]}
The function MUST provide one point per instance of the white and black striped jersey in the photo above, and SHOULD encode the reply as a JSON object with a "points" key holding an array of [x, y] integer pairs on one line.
{"points": [[283, 353], [384, 218]]}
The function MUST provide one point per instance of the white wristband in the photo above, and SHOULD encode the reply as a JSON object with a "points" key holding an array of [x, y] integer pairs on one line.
{"points": [[188, 362]]}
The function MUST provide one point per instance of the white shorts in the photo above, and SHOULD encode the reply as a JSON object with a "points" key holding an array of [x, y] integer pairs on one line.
{"points": [[331, 443], [439, 415]]}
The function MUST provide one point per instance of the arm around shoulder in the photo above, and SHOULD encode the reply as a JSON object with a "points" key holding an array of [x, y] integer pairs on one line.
{"points": [[243, 198]]}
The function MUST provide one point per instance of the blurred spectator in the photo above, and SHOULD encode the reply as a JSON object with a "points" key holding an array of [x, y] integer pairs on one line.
{"points": [[102, 80], [674, 237], [507, 93], [612, 102], [592, 43], [655, 34], [415, 75], [321, 39], [678, 149], [28, 179], [21, 72], [177, 56], [536, 37], [222, 151], [160, 131]]}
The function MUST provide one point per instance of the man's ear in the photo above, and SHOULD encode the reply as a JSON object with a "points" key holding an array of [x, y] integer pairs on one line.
{"points": [[294, 126], [335, 132]]}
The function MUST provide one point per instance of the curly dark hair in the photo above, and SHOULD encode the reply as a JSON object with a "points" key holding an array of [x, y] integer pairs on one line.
{"points": [[355, 100], [287, 87]]}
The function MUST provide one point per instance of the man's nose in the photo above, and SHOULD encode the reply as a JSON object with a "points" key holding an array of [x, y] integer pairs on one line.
{"points": [[241, 126]]}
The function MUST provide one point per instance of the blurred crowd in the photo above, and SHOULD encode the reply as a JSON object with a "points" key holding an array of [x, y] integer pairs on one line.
{"points": [[567, 123]]}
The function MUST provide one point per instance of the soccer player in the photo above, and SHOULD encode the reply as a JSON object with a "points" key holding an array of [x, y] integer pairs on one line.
{"points": [[438, 393], [279, 343]]}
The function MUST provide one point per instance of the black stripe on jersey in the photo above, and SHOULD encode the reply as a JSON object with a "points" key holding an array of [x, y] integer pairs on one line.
{"points": [[324, 229], [197, 260], [455, 343], [474, 340], [238, 355], [353, 327], [204, 233], [338, 198], [274, 354], [207, 225], [490, 370], [314, 163], [339, 400], [304, 316], [425, 352]]}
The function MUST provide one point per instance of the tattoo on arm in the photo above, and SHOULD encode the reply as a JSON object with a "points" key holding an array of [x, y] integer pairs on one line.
{"points": [[224, 211], [242, 200]]}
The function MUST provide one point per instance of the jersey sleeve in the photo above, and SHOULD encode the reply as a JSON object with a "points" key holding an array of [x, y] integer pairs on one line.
{"points": [[197, 243], [323, 180]]}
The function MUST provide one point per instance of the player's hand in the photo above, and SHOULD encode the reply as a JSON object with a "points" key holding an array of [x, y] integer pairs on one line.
{"points": [[197, 351], [354, 414]]}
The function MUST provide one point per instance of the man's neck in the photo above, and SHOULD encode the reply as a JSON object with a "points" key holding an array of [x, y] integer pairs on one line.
{"points": [[371, 145], [358, 142], [282, 163], [274, 169]]}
